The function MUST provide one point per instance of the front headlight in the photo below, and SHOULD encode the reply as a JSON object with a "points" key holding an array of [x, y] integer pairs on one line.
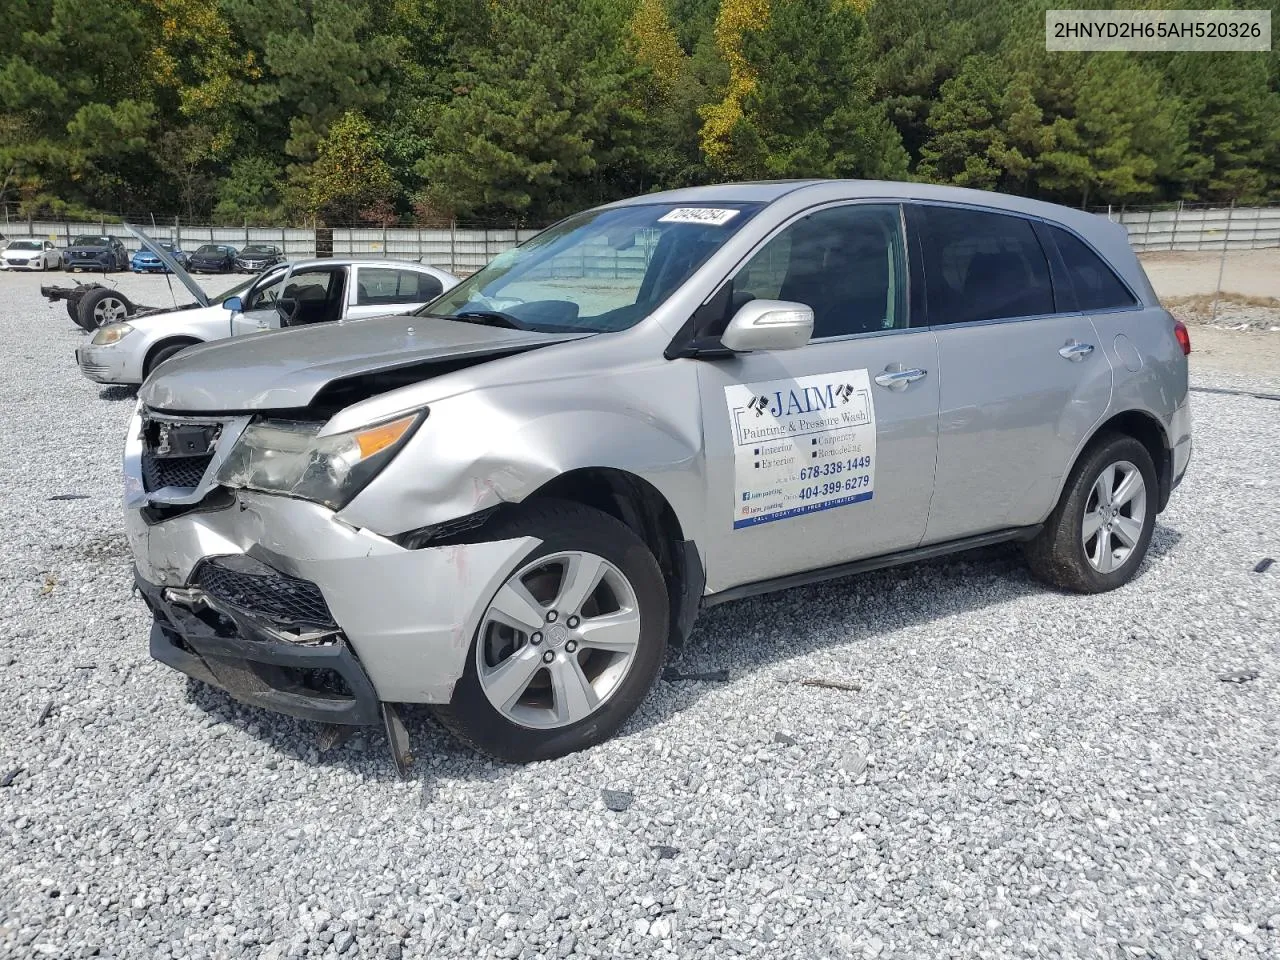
{"points": [[287, 457], [111, 333]]}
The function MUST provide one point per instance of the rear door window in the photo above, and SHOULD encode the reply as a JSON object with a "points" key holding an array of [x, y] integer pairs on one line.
{"points": [[1096, 284], [379, 286], [981, 266]]}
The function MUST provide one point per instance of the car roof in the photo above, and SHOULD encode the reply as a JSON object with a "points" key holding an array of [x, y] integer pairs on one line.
{"points": [[770, 191], [364, 262]]}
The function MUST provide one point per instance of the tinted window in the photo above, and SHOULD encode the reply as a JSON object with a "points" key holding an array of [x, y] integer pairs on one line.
{"points": [[844, 262], [982, 266], [383, 285], [1096, 285], [88, 241]]}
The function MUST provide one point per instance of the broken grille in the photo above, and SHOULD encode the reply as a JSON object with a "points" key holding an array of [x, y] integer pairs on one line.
{"points": [[258, 589], [160, 472]]}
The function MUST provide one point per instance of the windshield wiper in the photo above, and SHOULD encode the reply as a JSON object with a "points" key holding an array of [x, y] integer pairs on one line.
{"points": [[491, 318]]}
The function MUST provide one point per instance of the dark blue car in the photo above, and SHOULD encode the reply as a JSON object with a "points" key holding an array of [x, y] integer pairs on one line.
{"points": [[100, 253]]}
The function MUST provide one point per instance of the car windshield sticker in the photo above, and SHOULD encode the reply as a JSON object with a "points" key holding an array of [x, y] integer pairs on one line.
{"points": [[710, 216], [801, 445]]}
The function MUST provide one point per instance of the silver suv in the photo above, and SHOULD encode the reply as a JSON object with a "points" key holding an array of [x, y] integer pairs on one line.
{"points": [[507, 504]]}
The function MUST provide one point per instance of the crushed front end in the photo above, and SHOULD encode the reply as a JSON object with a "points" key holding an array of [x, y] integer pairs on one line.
{"points": [[278, 601]]}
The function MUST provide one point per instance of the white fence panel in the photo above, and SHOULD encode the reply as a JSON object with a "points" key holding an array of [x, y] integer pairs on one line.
{"points": [[1213, 228]]}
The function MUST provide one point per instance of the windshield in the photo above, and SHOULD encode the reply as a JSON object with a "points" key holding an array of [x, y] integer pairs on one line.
{"points": [[209, 251], [235, 291], [260, 251], [599, 271], [88, 241], [25, 245]]}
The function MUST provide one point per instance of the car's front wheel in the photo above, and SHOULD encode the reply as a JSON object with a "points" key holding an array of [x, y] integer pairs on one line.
{"points": [[1097, 536], [569, 644]]}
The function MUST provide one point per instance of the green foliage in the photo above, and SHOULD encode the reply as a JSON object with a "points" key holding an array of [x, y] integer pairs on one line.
{"points": [[810, 110], [541, 114], [349, 180], [373, 110]]}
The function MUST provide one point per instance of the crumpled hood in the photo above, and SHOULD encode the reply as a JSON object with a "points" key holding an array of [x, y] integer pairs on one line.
{"points": [[286, 369]]}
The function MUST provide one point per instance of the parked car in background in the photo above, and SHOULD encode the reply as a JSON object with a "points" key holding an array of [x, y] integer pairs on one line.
{"points": [[212, 258], [98, 252], [256, 257], [30, 255], [506, 505], [146, 261], [312, 291]]}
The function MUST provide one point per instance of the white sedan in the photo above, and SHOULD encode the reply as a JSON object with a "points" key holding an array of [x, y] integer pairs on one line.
{"points": [[30, 255], [127, 346]]}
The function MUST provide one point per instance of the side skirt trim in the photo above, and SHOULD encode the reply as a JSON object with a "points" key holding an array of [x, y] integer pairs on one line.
{"points": [[933, 550]]}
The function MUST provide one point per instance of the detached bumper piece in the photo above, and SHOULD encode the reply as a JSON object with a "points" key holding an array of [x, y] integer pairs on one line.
{"points": [[264, 638]]}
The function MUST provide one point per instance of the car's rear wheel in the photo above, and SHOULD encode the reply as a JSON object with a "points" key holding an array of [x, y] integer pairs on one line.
{"points": [[101, 306], [1097, 536], [569, 644]]}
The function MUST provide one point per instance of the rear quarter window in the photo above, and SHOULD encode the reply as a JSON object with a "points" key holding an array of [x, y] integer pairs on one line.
{"points": [[1096, 284]]}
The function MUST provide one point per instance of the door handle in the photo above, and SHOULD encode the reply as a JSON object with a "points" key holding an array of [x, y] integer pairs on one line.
{"points": [[900, 379], [1074, 350]]}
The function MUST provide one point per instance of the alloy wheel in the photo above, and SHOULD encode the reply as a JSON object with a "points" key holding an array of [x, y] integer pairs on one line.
{"points": [[109, 310], [557, 640], [1114, 516]]}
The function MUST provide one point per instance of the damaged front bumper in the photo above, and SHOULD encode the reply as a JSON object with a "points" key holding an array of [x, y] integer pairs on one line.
{"points": [[395, 621], [256, 663]]}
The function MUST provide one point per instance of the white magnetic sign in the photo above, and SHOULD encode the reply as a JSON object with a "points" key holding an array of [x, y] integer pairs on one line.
{"points": [[801, 445]]}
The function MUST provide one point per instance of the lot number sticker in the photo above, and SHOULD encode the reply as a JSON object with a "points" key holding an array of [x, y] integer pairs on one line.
{"points": [[801, 445], [712, 216]]}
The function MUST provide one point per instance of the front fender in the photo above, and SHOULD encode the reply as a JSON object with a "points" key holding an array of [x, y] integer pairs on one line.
{"points": [[500, 444]]}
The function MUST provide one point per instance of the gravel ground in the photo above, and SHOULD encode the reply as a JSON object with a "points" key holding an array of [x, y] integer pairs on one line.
{"points": [[1017, 773]]}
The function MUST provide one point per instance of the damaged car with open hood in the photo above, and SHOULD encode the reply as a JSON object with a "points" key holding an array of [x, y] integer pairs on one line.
{"points": [[506, 505], [129, 341]]}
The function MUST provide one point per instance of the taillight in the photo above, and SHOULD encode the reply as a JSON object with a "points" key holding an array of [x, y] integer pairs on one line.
{"points": [[1184, 339]]}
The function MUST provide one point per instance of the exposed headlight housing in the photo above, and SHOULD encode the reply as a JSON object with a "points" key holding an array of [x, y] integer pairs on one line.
{"points": [[287, 457], [111, 333]]}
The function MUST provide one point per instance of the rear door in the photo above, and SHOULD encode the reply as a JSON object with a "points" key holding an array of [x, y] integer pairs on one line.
{"points": [[380, 290], [823, 454], [1022, 381]]}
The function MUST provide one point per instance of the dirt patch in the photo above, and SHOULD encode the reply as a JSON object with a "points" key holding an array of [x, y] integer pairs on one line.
{"points": [[1217, 353], [1245, 273]]}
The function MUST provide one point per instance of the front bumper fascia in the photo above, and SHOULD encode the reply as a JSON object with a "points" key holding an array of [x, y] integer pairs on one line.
{"points": [[108, 364], [408, 615], [245, 657]]}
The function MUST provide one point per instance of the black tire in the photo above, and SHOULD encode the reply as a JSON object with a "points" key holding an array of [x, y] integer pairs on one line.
{"points": [[1058, 554], [72, 312], [89, 303], [162, 353], [564, 526]]}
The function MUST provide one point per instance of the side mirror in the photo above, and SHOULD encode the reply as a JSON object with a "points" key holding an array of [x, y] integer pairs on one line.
{"points": [[234, 304], [769, 325]]}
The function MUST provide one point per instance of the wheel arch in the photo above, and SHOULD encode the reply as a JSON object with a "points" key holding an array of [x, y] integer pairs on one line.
{"points": [[1147, 429], [639, 505], [169, 341]]}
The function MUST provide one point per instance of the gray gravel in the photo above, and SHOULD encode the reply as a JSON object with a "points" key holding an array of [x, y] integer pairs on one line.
{"points": [[1012, 773]]}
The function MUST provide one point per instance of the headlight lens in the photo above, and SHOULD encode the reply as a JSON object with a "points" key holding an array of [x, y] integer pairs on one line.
{"points": [[111, 333], [286, 457]]}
